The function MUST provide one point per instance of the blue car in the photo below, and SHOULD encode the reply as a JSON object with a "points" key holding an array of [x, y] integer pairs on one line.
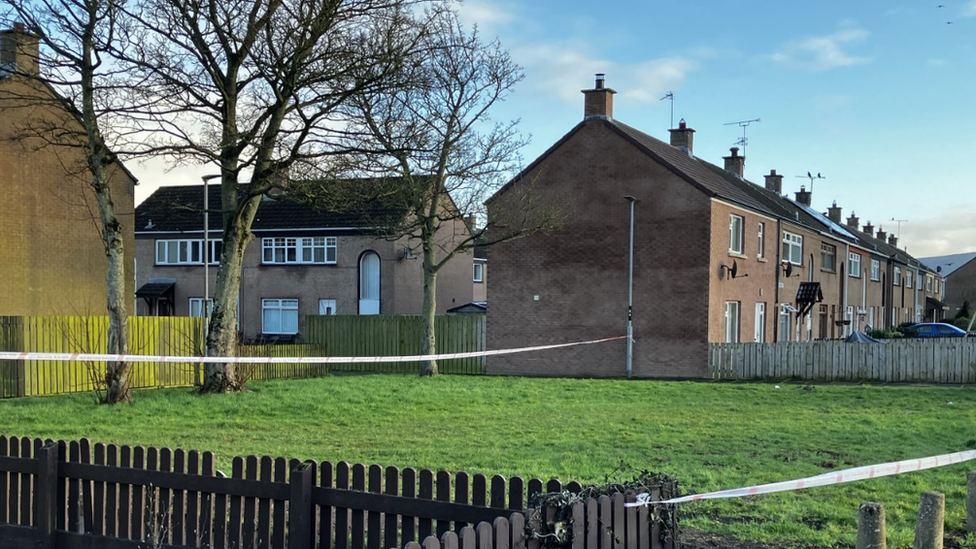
{"points": [[936, 329]]}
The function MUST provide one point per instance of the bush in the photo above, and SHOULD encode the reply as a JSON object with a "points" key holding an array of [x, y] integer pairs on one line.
{"points": [[961, 322], [885, 334]]}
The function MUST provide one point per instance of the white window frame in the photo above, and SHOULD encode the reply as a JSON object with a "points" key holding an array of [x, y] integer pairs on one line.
{"points": [[761, 250], [299, 250], [281, 305], [737, 225], [875, 270], [937, 286], [760, 323], [186, 251], [909, 275], [196, 306], [732, 316], [793, 243], [896, 278], [327, 305], [928, 283], [828, 250], [478, 272], [854, 264], [785, 318]]}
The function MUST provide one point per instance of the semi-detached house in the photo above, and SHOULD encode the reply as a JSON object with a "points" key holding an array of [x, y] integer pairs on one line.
{"points": [[302, 261], [716, 259]]}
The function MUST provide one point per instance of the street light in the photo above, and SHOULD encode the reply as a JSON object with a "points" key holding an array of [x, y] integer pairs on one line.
{"points": [[204, 309], [630, 293]]}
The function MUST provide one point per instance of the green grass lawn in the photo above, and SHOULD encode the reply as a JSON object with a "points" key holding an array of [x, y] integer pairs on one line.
{"points": [[710, 436]]}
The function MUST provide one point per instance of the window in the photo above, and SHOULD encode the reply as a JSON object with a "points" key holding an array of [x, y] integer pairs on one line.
{"points": [[279, 316], [792, 248], [196, 306], [854, 264], [875, 270], [828, 257], [760, 335], [761, 249], [784, 324], [896, 279], [316, 250], [908, 278], [327, 306], [936, 286], [479, 272], [185, 252], [735, 233], [731, 321], [928, 283]]}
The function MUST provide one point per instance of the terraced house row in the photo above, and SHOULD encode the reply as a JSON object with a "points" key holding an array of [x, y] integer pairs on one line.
{"points": [[717, 258]]}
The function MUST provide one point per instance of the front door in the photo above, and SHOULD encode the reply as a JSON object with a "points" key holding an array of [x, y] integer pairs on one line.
{"points": [[369, 284]]}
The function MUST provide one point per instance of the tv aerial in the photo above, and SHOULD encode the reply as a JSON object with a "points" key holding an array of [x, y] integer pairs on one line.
{"points": [[743, 141], [812, 178], [898, 230], [670, 96]]}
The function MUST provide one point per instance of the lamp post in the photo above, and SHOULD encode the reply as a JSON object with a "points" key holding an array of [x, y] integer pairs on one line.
{"points": [[630, 293], [204, 309]]}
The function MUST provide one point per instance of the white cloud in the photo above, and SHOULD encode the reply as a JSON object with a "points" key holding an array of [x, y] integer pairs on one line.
{"points": [[969, 9], [950, 233], [488, 16], [824, 52]]}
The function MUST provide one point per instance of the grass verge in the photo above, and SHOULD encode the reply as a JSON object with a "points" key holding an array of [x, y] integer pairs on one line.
{"points": [[710, 436]]}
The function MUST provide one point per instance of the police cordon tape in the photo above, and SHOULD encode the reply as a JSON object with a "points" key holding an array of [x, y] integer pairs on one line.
{"points": [[94, 357], [824, 479]]}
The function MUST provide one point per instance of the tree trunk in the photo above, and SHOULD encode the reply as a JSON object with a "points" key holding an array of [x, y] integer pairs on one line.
{"points": [[428, 338], [222, 335], [116, 373]]}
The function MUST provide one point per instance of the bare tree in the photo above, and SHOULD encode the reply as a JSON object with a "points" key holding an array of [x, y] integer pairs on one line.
{"points": [[255, 86], [436, 136], [64, 88]]}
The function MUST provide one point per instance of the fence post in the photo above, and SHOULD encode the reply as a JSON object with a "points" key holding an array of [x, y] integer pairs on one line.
{"points": [[300, 507], [931, 521], [46, 495], [971, 502], [871, 526]]}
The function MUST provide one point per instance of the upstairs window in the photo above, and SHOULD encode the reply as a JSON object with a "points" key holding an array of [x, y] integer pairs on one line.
{"points": [[828, 257], [736, 223], [896, 279], [185, 252], [875, 270], [479, 272], [792, 248], [928, 283], [761, 249], [908, 278], [316, 250], [855, 264]]}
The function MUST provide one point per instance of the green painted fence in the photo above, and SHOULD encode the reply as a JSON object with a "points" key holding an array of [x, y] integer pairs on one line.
{"points": [[179, 336], [397, 335]]}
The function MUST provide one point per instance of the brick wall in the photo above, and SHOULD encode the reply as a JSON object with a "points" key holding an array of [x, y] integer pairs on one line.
{"points": [[53, 257], [571, 285]]}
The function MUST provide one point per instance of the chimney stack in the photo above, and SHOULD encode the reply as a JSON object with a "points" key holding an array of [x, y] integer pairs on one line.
{"points": [[882, 236], [774, 182], [892, 240], [734, 163], [598, 102], [19, 51], [833, 213], [683, 137], [803, 196], [853, 221], [868, 229]]}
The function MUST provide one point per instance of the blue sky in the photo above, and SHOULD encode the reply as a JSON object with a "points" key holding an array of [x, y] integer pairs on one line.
{"points": [[878, 96]]}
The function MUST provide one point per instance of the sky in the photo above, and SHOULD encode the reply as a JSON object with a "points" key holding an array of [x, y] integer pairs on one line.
{"points": [[879, 97]]}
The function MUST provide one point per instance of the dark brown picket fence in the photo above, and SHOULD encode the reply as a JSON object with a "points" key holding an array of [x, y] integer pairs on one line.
{"points": [[79, 495]]}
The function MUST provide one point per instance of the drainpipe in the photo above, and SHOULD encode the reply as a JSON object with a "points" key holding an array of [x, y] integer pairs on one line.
{"points": [[779, 269], [847, 277]]}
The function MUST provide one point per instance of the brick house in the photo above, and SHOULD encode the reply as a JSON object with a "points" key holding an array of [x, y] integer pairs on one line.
{"points": [[301, 262], [716, 258], [53, 255], [959, 271]]}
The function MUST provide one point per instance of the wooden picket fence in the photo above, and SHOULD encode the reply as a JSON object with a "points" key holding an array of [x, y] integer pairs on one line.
{"points": [[947, 360], [76, 494], [398, 335], [281, 370], [179, 336]]}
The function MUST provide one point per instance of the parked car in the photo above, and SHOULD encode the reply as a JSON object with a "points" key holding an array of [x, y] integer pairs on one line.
{"points": [[936, 329]]}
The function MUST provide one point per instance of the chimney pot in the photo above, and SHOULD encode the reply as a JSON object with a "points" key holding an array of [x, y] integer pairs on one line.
{"points": [[892, 240], [803, 196], [734, 163], [598, 102], [868, 228], [853, 221], [882, 236], [834, 213], [19, 51], [683, 137], [774, 182]]}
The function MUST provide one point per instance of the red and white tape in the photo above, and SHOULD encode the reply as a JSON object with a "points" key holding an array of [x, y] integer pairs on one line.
{"points": [[94, 357], [825, 479]]}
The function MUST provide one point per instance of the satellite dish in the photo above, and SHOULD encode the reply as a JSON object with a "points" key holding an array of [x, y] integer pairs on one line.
{"points": [[789, 270], [735, 268], [937, 269]]}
